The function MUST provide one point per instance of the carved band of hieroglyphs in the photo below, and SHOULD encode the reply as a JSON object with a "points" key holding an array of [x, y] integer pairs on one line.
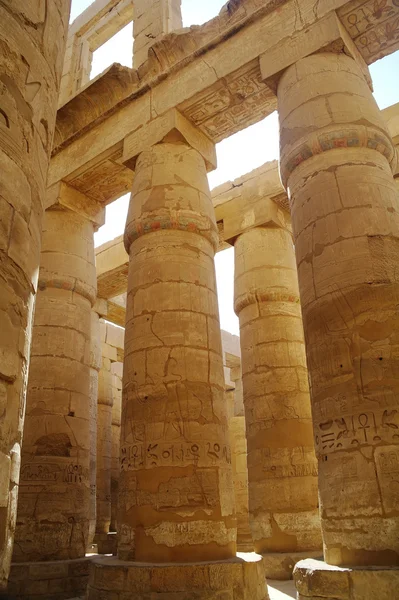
{"points": [[54, 473], [373, 25], [369, 427], [357, 136], [300, 470], [151, 455], [259, 296], [192, 223]]}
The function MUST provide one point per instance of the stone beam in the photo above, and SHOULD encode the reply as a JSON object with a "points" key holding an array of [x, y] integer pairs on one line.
{"points": [[211, 74]]}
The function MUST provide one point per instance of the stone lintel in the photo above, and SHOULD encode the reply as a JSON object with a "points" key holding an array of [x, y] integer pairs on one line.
{"points": [[230, 579], [251, 201], [327, 33], [315, 579], [158, 129], [62, 195]]}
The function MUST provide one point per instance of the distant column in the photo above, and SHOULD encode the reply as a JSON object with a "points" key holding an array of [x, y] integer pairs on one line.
{"points": [[282, 468], [117, 371], [53, 507], [31, 64], [95, 365], [239, 451]]}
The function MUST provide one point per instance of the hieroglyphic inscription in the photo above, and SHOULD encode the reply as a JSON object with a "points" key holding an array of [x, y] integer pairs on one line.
{"points": [[51, 472], [369, 427], [374, 25], [151, 455], [231, 104]]}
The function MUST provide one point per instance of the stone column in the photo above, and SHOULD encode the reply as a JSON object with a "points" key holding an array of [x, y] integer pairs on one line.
{"points": [[176, 497], [54, 499], [95, 365], [336, 160], [30, 65], [117, 371], [104, 445], [238, 442], [282, 469]]}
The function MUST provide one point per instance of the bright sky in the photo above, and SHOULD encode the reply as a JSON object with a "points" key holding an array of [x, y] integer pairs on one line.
{"points": [[238, 154]]}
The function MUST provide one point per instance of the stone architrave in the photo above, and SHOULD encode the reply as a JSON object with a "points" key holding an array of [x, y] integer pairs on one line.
{"points": [[336, 163], [282, 467], [176, 497], [30, 69]]}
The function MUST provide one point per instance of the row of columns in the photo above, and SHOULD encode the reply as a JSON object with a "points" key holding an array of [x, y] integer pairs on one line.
{"points": [[176, 500]]}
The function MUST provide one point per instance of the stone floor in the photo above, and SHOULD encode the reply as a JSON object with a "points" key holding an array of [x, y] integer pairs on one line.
{"points": [[281, 590], [278, 590]]}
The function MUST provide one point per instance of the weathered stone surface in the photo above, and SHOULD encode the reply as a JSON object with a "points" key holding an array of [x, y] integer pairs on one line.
{"points": [[54, 500], [316, 580], [336, 156], [32, 43], [280, 565], [282, 468], [95, 365], [233, 579], [58, 580], [176, 492]]}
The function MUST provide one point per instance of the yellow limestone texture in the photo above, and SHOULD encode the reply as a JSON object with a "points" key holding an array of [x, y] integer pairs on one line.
{"points": [[32, 43], [336, 160]]}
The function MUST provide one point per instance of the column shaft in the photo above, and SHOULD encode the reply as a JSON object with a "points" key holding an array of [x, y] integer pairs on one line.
{"points": [[30, 66], [117, 370], [176, 494], [335, 163], [282, 472], [104, 446], [53, 507], [95, 365]]}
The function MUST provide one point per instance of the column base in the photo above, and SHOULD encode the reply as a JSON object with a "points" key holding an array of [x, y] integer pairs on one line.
{"points": [[234, 579], [107, 543], [316, 580], [53, 580], [280, 565]]}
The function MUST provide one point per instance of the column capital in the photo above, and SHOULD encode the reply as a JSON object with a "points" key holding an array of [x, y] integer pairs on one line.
{"points": [[63, 195], [162, 129]]}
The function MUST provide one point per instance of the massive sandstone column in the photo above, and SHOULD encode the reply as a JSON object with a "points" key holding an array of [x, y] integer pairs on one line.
{"points": [[176, 497], [30, 69], [282, 470], [53, 506], [174, 439], [104, 449], [95, 365], [336, 159], [117, 371]]}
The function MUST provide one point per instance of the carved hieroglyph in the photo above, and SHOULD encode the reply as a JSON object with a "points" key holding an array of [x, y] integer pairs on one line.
{"points": [[53, 506], [32, 42], [176, 493], [282, 468], [335, 163]]}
